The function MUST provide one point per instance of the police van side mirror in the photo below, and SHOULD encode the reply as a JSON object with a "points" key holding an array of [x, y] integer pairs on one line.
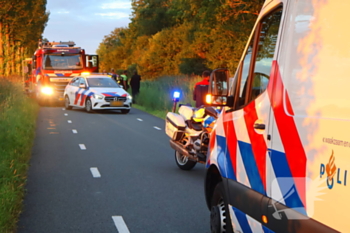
{"points": [[82, 85], [218, 87]]}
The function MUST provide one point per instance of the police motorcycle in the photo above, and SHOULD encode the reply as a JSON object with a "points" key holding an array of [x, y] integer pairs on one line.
{"points": [[190, 129]]}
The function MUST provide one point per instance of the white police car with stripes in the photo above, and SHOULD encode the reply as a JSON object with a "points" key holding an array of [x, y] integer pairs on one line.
{"points": [[96, 92]]}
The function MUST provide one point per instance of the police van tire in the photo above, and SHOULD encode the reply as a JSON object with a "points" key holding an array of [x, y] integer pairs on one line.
{"points": [[88, 105], [220, 220], [66, 103], [183, 162]]}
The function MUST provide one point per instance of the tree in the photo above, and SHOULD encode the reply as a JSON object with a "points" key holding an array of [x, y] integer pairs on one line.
{"points": [[183, 36], [21, 25]]}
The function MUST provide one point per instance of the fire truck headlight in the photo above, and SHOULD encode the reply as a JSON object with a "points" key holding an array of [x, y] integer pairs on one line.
{"points": [[47, 90]]}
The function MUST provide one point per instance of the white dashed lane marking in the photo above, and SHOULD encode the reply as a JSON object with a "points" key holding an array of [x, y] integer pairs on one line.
{"points": [[82, 146], [95, 173], [120, 224], [69, 121], [74, 131], [139, 119], [63, 109], [157, 128], [66, 114]]}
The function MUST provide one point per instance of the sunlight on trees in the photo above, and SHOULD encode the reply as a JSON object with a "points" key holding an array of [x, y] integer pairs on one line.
{"points": [[174, 37]]}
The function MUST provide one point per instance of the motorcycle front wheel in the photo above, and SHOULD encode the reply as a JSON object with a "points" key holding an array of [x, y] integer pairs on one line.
{"points": [[183, 162]]}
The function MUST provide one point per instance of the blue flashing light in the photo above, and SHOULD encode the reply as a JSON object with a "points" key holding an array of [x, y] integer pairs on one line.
{"points": [[176, 95]]}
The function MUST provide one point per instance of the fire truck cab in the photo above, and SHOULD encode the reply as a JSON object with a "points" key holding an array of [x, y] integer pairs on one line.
{"points": [[54, 64], [278, 158]]}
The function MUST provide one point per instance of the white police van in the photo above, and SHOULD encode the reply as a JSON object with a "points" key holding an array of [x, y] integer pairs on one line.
{"points": [[279, 156]]}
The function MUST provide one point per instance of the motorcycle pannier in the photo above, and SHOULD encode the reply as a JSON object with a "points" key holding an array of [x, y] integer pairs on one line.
{"points": [[174, 126]]}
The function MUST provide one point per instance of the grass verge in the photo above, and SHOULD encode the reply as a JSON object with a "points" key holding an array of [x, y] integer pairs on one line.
{"points": [[18, 115]]}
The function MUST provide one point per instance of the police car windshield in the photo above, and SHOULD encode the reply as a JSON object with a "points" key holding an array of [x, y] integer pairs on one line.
{"points": [[102, 82]]}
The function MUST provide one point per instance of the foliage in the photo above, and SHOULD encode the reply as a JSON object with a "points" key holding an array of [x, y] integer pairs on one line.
{"points": [[17, 126], [21, 25], [156, 95], [192, 66], [174, 37]]}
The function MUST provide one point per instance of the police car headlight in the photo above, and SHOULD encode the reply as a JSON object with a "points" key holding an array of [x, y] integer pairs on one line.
{"points": [[47, 90], [100, 97], [129, 97]]}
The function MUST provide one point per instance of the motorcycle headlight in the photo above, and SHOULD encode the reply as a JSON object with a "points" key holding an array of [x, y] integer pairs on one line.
{"points": [[47, 90], [96, 96]]}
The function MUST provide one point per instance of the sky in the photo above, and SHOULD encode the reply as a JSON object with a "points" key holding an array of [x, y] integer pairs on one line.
{"points": [[85, 22]]}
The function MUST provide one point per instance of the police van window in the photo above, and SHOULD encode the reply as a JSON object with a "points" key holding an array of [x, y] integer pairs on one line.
{"points": [[244, 75], [265, 52], [255, 77]]}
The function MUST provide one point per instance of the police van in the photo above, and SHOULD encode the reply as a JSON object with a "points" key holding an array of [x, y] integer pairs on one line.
{"points": [[279, 156]]}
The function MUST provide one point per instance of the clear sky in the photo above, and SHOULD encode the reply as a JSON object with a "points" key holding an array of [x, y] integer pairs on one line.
{"points": [[85, 22]]}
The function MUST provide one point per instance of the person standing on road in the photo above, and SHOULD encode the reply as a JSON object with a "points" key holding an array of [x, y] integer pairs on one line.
{"points": [[113, 74], [135, 85], [125, 80], [201, 89]]}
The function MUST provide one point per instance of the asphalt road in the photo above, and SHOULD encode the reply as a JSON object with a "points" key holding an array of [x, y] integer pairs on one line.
{"points": [[109, 172]]}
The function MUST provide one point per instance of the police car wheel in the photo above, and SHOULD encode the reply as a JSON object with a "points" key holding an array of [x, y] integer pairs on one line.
{"points": [[88, 106], [220, 221], [183, 162], [66, 103]]}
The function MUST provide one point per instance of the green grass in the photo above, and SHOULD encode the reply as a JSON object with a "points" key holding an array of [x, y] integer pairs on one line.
{"points": [[18, 115], [155, 97]]}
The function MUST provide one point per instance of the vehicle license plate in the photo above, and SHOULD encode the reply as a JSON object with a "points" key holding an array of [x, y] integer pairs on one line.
{"points": [[116, 103]]}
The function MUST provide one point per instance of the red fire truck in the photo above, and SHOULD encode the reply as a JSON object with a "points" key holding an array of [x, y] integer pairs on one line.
{"points": [[53, 65]]}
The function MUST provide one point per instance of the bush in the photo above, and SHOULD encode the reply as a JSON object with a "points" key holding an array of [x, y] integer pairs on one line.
{"points": [[17, 129], [156, 96]]}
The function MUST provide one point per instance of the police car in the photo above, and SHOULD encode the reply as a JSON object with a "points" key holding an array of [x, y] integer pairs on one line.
{"points": [[96, 92]]}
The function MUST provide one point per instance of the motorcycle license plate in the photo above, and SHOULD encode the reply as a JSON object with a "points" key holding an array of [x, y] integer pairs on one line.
{"points": [[116, 103]]}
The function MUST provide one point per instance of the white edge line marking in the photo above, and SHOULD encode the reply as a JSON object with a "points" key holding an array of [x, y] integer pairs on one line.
{"points": [[69, 121], [139, 119], [82, 146], [120, 224], [157, 128], [95, 173], [74, 131], [66, 114]]}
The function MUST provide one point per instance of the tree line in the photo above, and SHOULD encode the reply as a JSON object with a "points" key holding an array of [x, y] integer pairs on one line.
{"points": [[22, 23], [173, 37]]}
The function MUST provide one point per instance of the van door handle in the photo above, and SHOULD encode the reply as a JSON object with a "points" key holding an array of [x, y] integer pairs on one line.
{"points": [[259, 126]]}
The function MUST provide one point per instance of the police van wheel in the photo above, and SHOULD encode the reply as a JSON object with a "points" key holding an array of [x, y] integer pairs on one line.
{"points": [[183, 162], [220, 221], [66, 103], [88, 106]]}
